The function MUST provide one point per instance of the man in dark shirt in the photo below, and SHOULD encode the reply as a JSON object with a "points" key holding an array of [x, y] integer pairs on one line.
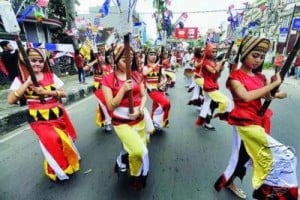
{"points": [[10, 59]]}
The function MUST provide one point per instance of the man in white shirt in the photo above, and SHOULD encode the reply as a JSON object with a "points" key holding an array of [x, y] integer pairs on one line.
{"points": [[188, 67]]}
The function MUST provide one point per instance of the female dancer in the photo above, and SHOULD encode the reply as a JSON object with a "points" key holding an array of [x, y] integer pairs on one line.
{"points": [[274, 164], [130, 128], [160, 103], [47, 117], [101, 67]]}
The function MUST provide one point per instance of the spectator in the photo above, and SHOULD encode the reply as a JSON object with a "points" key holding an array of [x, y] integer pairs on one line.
{"points": [[79, 60], [278, 62], [297, 66], [10, 59]]}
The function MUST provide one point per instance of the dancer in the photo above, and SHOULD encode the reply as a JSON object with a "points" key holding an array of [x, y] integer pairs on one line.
{"points": [[47, 116], [156, 90], [130, 128], [197, 85], [213, 97], [274, 164], [101, 67]]}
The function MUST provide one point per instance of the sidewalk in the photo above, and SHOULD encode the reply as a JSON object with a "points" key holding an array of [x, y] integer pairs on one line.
{"points": [[13, 116]]}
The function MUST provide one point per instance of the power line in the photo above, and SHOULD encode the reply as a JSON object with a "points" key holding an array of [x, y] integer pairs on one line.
{"points": [[193, 12]]}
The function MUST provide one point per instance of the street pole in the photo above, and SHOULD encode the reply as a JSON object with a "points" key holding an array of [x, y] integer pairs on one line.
{"points": [[288, 36]]}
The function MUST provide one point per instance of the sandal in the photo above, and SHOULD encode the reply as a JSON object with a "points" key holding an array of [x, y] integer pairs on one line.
{"points": [[237, 191]]}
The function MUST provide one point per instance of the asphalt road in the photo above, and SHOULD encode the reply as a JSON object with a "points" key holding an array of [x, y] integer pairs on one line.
{"points": [[185, 160]]}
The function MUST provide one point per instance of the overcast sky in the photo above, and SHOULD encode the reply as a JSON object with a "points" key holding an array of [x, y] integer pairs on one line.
{"points": [[202, 19]]}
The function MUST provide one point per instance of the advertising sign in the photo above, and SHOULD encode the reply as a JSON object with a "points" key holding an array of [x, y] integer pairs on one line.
{"points": [[186, 33], [296, 24]]}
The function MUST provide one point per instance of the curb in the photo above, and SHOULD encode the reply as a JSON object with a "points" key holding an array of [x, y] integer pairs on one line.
{"points": [[18, 118]]}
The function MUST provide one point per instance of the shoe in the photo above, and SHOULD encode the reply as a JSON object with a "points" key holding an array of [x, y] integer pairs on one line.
{"points": [[108, 128], [120, 169], [209, 127], [237, 191]]}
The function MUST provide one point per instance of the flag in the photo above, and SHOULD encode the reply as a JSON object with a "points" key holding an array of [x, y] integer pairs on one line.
{"points": [[42, 3], [25, 13], [104, 8], [85, 49]]}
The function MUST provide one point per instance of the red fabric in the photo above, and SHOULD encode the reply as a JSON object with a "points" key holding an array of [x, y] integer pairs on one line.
{"points": [[279, 61], [2, 67], [100, 95], [51, 140], [210, 79], [198, 68], [115, 84], [179, 58], [159, 98], [297, 61], [245, 113], [79, 61], [166, 63], [273, 192]]}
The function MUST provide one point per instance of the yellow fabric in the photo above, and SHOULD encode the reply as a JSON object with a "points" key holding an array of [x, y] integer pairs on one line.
{"points": [[33, 113], [220, 98], [200, 82], [56, 111], [69, 152], [96, 85], [134, 143], [169, 74], [51, 176], [44, 113], [85, 50], [255, 141], [99, 121]]}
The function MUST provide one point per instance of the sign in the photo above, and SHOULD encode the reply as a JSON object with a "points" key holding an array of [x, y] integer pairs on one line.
{"points": [[186, 33], [296, 24], [283, 33]]}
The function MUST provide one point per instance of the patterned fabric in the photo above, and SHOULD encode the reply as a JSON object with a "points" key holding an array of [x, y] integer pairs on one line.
{"points": [[56, 133], [251, 43]]}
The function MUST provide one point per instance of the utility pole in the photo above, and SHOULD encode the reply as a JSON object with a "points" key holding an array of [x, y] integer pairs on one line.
{"points": [[289, 32]]}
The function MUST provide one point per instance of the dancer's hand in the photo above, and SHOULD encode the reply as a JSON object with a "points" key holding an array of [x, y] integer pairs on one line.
{"points": [[127, 85]]}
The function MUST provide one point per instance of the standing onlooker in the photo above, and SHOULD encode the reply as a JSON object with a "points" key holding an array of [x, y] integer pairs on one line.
{"points": [[10, 59], [231, 60], [188, 67], [278, 62], [79, 60], [297, 66]]}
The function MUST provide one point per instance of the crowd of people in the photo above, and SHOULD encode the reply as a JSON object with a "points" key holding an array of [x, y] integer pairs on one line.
{"points": [[121, 107]]}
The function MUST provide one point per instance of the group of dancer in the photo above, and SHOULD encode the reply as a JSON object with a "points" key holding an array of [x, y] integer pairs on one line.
{"points": [[274, 164], [49, 120]]}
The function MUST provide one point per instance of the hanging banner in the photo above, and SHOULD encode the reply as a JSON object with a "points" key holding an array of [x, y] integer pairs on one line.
{"points": [[186, 33]]}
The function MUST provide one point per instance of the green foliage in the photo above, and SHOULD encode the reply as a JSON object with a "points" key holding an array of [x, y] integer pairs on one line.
{"points": [[267, 65], [4, 87]]}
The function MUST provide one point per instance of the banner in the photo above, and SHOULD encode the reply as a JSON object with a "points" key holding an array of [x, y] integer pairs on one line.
{"points": [[186, 33]]}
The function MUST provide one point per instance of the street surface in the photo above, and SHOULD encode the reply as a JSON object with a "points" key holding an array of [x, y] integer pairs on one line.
{"points": [[185, 160]]}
